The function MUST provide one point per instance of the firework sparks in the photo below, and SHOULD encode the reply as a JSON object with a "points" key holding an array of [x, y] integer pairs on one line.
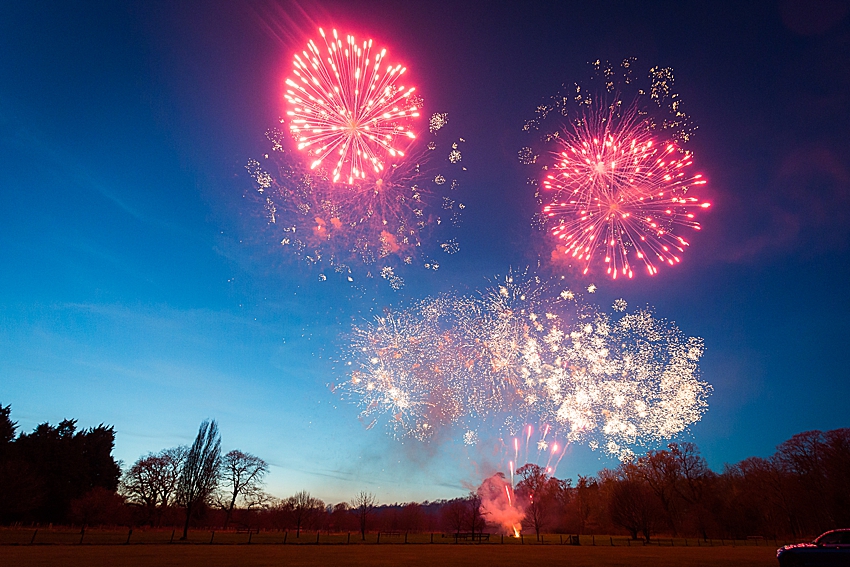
{"points": [[546, 451], [520, 353], [618, 197], [618, 184], [342, 104], [383, 222], [437, 121]]}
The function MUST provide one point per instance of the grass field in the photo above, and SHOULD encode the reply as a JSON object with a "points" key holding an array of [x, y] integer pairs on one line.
{"points": [[112, 536], [389, 555], [108, 547], [61, 546]]}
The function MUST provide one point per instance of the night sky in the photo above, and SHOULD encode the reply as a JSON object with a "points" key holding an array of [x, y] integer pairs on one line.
{"points": [[140, 288]]}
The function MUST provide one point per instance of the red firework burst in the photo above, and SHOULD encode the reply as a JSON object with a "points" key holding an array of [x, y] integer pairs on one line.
{"points": [[619, 195], [341, 103]]}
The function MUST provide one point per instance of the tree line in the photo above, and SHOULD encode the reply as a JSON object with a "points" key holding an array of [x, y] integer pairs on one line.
{"points": [[59, 474]]}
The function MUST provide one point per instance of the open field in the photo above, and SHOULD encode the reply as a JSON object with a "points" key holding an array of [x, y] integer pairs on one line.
{"points": [[111, 536], [108, 547], [461, 555]]}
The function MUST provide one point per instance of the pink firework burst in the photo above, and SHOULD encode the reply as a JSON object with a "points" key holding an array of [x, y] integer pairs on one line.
{"points": [[620, 196], [343, 106]]}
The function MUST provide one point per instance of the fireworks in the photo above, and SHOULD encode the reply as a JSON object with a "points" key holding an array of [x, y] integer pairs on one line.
{"points": [[617, 196], [624, 380], [342, 104], [618, 185], [520, 352], [545, 449], [382, 222]]}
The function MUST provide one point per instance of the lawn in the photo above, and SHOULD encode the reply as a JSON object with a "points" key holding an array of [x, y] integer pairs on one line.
{"points": [[389, 555]]}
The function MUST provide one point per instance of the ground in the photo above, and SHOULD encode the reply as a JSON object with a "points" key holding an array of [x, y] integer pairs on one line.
{"points": [[374, 555]]}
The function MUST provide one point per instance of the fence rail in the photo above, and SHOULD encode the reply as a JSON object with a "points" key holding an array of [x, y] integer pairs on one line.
{"points": [[242, 536]]}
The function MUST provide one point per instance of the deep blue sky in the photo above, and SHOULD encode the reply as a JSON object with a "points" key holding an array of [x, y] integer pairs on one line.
{"points": [[139, 288]]}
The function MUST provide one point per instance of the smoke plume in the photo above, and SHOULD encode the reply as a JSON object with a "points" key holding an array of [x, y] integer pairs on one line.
{"points": [[499, 506]]}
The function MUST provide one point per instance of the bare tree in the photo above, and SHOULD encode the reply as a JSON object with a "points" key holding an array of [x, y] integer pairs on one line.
{"points": [[200, 473], [410, 518], [660, 471], [152, 481], [453, 515], [363, 504], [174, 459], [476, 521], [242, 476], [585, 501], [633, 504], [536, 489], [304, 508]]}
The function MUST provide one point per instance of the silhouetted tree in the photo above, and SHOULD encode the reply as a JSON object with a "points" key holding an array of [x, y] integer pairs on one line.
{"points": [[200, 473], [20, 489], [585, 501], [536, 490], [242, 476], [303, 508], [363, 504], [410, 518], [453, 515], [476, 521], [633, 505], [98, 507], [152, 481], [7, 428], [340, 518], [660, 471], [43, 471]]}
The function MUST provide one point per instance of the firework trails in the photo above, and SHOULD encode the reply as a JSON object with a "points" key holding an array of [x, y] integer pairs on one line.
{"points": [[618, 184], [524, 351], [345, 108]]}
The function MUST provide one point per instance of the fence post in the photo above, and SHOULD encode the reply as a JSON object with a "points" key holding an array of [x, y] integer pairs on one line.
{"points": [[317, 537], [521, 539], [285, 533], [250, 533], [82, 534], [348, 540], [432, 537], [35, 533], [172, 537], [212, 537], [629, 542], [593, 540], [612, 541], [671, 542], [379, 537], [405, 537], [128, 536]]}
